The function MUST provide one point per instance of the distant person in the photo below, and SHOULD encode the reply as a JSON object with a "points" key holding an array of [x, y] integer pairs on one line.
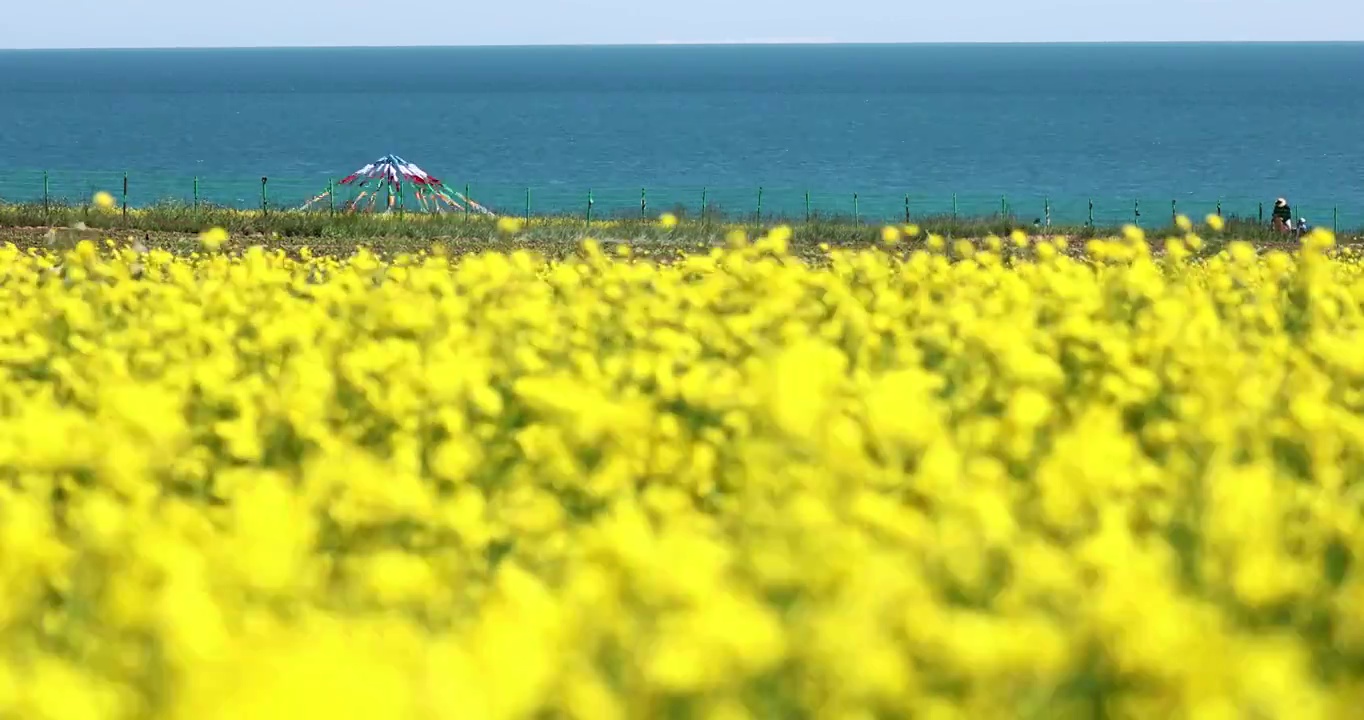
{"points": [[1282, 219], [1303, 227]]}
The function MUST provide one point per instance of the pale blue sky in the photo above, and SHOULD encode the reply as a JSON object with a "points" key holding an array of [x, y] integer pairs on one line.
{"points": [[218, 23]]}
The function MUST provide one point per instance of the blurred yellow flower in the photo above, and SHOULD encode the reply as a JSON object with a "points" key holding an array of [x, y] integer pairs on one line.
{"points": [[730, 482], [1319, 239], [667, 221], [1176, 248], [104, 200], [779, 238], [890, 235], [509, 225], [1215, 223], [213, 238]]}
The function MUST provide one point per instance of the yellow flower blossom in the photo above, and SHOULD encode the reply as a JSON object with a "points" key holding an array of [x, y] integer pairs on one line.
{"points": [[965, 480], [213, 238]]}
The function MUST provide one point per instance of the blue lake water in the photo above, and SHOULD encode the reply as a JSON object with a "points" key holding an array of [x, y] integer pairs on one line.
{"points": [[1024, 126]]}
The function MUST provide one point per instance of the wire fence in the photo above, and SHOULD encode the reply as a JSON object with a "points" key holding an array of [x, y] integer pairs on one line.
{"points": [[695, 202]]}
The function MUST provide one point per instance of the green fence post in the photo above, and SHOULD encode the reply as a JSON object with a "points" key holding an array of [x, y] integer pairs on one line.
{"points": [[954, 208], [1046, 210], [466, 202], [703, 205], [760, 205], [857, 214], [1090, 222], [331, 196], [527, 206], [264, 196], [1262, 212], [1136, 212], [1334, 224], [1004, 206], [402, 199], [47, 203], [125, 196], [1174, 213], [1219, 207], [196, 193], [807, 207], [643, 204], [906, 209], [589, 207]]}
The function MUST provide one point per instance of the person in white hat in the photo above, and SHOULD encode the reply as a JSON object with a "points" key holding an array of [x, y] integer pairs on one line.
{"points": [[1282, 219]]}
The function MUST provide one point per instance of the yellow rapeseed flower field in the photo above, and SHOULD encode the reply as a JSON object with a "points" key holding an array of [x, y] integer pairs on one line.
{"points": [[925, 480]]}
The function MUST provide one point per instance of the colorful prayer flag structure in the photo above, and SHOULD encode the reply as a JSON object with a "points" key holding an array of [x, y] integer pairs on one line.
{"points": [[387, 183]]}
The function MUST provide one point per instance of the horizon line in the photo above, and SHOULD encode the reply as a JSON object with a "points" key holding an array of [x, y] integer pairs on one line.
{"points": [[797, 42]]}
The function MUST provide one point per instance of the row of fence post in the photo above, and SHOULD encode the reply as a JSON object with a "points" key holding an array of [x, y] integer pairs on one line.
{"points": [[1005, 208]]}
